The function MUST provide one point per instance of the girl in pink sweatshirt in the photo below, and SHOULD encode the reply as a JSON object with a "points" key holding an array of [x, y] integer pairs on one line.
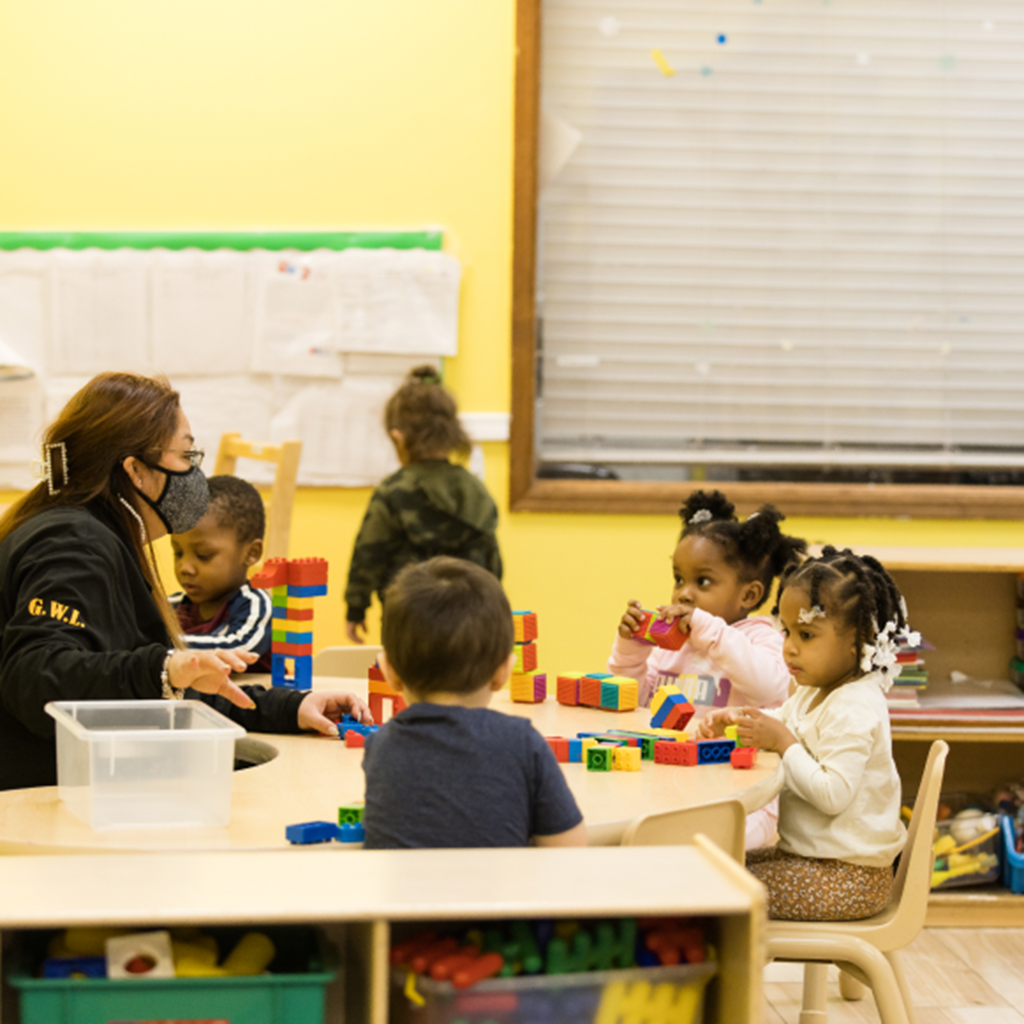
{"points": [[724, 570]]}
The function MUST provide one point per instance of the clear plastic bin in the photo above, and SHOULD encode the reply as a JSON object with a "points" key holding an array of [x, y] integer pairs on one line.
{"points": [[656, 994], [965, 853], [1013, 862], [145, 763]]}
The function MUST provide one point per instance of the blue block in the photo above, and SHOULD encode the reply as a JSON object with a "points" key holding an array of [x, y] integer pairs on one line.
{"points": [[75, 967], [576, 750], [609, 696], [298, 638], [303, 677], [598, 675], [319, 590], [351, 833], [311, 832], [714, 751], [348, 724]]}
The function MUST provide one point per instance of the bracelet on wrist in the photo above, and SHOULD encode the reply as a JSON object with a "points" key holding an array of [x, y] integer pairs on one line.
{"points": [[169, 692]]}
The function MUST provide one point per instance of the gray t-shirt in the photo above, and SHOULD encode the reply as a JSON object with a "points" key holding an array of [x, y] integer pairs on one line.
{"points": [[443, 776]]}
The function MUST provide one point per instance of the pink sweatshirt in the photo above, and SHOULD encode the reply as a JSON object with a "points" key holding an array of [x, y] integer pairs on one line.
{"points": [[737, 665]]}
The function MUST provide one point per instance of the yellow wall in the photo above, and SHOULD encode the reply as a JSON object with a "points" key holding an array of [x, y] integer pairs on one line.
{"points": [[336, 113]]}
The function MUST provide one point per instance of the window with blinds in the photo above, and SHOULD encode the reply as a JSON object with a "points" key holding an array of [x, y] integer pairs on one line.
{"points": [[781, 238]]}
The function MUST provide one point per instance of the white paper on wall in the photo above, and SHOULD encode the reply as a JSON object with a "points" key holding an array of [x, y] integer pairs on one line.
{"points": [[399, 301], [296, 329], [23, 299], [21, 428], [201, 311], [341, 429], [100, 312]]}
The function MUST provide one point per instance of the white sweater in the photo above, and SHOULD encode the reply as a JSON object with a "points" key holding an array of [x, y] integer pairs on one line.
{"points": [[841, 795]]}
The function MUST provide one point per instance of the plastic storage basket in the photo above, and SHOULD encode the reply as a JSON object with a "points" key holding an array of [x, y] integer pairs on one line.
{"points": [[145, 763], [294, 994], [655, 995], [1013, 862], [964, 855]]}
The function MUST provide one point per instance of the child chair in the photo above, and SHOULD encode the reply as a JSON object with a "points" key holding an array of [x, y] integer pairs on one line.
{"points": [[723, 822], [347, 662], [282, 494], [867, 949]]}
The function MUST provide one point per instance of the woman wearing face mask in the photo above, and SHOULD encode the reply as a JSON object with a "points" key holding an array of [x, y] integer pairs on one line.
{"points": [[83, 614]]}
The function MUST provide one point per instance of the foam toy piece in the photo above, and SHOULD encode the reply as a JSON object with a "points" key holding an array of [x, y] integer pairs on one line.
{"points": [[528, 688], [568, 689], [619, 693], [251, 956], [664, 633], [599, 690], [525, 626], [526, 657], [670, 709], [142, 955], [715, 751], [743, 757]]}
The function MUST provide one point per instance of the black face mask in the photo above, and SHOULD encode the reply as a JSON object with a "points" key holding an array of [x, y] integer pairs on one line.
{"points": [[184, 498]]}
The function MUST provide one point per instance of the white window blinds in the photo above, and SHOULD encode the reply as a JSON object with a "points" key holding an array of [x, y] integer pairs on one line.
{"points": [[786, 231]]}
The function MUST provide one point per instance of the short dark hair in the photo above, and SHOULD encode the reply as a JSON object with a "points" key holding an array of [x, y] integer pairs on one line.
{"points": [[447, 626], [236, 505], [856, 590], [756, 548]]}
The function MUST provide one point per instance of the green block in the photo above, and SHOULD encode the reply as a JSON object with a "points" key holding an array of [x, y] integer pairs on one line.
{"points": [[647, 748], [599, 759], [350, 814]]}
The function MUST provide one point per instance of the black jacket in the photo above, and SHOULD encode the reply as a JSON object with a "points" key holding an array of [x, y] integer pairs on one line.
{"points": [[78, 622]]}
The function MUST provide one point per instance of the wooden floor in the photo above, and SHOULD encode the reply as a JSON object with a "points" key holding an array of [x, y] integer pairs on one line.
{"points": [[956, 975]]}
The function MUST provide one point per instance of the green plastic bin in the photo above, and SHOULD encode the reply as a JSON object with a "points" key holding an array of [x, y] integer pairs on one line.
{"points": [[305, 964]]}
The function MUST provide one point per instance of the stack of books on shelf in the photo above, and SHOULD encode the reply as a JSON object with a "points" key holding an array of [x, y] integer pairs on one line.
{"points": [[913, 677]]}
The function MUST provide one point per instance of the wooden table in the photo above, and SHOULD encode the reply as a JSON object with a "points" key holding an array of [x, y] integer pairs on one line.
{"points": [[311, 776]]}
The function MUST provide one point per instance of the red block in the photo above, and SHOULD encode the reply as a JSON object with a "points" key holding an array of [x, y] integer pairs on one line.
{"points": [[645, 621], [568, 691], [307, 572], [590, 692], [664, 751], [273, 574], [743, 757], [298, 614], [291, 650], [689, 753], [376, 673], [354, 739], [678, 716], [668, 635], [559, 747]]}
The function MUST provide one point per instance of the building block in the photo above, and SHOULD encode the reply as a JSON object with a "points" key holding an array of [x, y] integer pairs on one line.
{"points": [[526, 657], [355, 833], [690, 754], [525, 626], [599, 758], [575, 751], [559, 747], [286, 614], [293, 650], [619, 693], [590, 692], [310, 591], [667, 752], [301, 677], [626, 759], [568, 690], [307, 572], [660, 694], [375, 674], [674, 712], [273, 574], [351, 814], [354, 739], [667, 634], [311, 832], [529, 688], [290, 636], [732, 732], [376, 702], [743, 757], [714, 751]]}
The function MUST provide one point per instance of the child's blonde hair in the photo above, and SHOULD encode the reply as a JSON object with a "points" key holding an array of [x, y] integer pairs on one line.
{"points": [[426, 416]]}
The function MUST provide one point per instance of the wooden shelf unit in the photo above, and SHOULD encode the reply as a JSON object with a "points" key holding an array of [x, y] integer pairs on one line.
{"points": [[964, 601], [369, 892]]}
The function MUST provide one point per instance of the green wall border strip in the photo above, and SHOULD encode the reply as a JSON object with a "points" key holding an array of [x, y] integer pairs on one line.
{"points": [[209, 240]]}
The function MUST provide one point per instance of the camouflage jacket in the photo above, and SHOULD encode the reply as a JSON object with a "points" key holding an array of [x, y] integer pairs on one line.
{"points": [[425, 509]]}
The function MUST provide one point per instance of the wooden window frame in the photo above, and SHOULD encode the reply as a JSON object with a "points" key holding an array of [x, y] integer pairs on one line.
{"points": [[527, 493]]}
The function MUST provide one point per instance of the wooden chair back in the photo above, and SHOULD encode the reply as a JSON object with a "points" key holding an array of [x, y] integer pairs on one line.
{"points": [[723, 822]]}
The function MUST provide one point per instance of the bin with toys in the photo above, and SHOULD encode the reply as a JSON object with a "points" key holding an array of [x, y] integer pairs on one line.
{"points": [[965, 843]]}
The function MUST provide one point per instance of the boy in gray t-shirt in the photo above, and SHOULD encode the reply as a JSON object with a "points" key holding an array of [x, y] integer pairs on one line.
{"points": [[447, 771]]}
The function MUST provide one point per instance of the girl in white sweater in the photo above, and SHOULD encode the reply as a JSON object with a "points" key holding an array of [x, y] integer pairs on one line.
{"points": [[839, 809]]}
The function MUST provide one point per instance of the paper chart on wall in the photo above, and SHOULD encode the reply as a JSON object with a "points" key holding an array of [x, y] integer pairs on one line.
{"points": [[23, 299], [21, 426], [200, 311], [296, 330], [100, 317], [341, 429], [401, 301]]}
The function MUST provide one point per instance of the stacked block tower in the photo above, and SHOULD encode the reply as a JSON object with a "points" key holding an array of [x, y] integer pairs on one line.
{"points": [[527, 686], [293, 583]]}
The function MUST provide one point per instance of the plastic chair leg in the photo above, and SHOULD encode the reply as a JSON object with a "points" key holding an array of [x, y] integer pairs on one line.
{"points": [[901, 981], [850, 988], [814, 1009]]}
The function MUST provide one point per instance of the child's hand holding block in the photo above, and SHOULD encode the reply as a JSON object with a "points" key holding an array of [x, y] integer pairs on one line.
{"points": [[665, 633]]}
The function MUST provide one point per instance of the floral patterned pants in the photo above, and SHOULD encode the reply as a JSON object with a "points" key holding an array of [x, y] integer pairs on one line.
{"points": [[810, 889]]}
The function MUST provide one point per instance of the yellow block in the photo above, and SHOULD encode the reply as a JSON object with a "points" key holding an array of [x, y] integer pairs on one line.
{"points": [[660, 694], [626, 759]]}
